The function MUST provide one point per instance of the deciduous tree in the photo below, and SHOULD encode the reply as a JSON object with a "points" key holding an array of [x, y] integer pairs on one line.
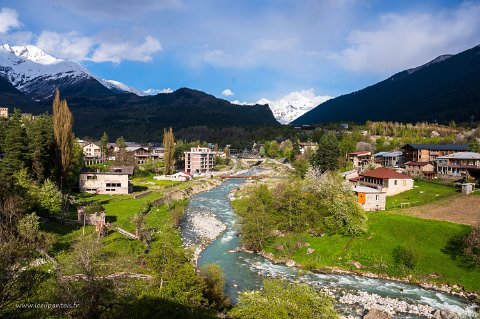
{"points": [[282, 300], [63, 133], [169, 151]]}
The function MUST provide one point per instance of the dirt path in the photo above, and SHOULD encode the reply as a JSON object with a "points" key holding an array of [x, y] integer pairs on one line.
{"points": [[463, 209]]}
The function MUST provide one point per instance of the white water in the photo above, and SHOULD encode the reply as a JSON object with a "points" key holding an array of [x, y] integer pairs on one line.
{"points": [[245, 271]]}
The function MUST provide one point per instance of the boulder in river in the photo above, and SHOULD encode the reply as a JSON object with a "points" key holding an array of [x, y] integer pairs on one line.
{"points": [[444, 314], [376, 313], [290, 263]]}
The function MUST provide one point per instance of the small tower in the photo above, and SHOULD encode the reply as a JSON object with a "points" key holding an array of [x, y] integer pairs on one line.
{"points": [[4, 112]]}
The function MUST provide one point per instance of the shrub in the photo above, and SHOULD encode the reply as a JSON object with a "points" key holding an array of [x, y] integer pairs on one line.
{"points": [[404, 257], [93, 208], [212, 275]]}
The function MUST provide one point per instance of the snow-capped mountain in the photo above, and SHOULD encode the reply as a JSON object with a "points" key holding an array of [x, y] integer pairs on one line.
{"points": [[37, 74], [122, 87], [293, 105]]}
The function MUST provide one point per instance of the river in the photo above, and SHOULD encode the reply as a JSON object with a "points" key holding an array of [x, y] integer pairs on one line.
{"points": [[244, 271]]}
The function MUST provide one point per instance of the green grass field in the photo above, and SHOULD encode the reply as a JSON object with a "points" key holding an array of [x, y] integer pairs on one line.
{"points": [[423, 192], [434, 243]]}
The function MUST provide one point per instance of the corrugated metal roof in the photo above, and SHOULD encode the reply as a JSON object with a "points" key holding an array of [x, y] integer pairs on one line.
{"points": [[461, 155], [365, 189]]}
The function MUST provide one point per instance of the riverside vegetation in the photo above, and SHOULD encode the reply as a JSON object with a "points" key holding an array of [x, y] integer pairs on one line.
{"points": [[316, 222], [54, 268]]}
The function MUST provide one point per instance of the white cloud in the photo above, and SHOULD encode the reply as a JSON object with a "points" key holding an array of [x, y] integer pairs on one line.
{"points": [[8, 20], [237, 102], [118, 51], [117, 9], [76, 47], [157, 91], [70, 45], [405, 41], [227, 92]]}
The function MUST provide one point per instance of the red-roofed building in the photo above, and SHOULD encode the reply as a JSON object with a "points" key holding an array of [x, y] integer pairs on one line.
{"points": [[420, 169], [386, 180]]}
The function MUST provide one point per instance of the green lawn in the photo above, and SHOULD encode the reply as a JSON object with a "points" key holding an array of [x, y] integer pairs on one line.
{"points": [[423, 192], [433, 243], [149, 180]]}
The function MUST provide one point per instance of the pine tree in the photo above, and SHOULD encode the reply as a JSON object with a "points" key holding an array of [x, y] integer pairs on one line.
{"points": [[63, 133], [169, 151], [14, 147], [41, 147], [104, 145], [327, 155]]}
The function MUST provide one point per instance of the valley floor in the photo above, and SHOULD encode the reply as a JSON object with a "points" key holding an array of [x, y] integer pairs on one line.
{"points": [[433, 230], [459, 209]]}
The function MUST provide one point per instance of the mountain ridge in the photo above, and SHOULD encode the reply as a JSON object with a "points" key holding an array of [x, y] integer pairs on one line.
{"points": [[441, 91]]}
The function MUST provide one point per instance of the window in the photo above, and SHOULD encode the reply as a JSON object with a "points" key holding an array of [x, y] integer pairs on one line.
{"points": [[395, 182], [113, 185], [91, 177]]}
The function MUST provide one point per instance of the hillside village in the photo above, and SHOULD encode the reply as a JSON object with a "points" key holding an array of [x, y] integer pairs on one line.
{"points": [[137, 193]]}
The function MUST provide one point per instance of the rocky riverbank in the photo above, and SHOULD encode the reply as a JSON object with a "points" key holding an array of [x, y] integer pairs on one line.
{"points": [[365, 301]]}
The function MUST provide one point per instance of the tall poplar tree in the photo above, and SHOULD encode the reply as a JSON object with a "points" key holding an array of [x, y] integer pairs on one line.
{"points": [[63, 133], [169, 150], [122, 150], [104, 145]]}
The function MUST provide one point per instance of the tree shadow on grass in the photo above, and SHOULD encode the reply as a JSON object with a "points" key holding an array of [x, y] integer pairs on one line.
{"points": [[110, 219], [139, 188], [455, 248], [155, 307]]}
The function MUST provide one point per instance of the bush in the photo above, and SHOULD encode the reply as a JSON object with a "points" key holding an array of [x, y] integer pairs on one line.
{"points": [[93, 208], [404, 257], [280, 299], [212, 275]]}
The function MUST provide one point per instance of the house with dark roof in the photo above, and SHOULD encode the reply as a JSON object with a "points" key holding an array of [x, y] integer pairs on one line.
{"points": [[386, 180], [430, 152], [420, 169], [459, 165]]}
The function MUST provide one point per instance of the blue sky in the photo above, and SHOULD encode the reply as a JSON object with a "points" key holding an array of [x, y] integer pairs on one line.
{"points": [[254, 49]]}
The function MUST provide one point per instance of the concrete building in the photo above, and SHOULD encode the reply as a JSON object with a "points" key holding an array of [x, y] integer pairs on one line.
{"points": [[307, 147], [114, 182], [141, 154], [430, 152], [92, 150], [370, 199], [199, 160], [393, 159], [360, 159], [458, 165], [4, 112], [385, 180], [157, 153], [420, 170]]}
